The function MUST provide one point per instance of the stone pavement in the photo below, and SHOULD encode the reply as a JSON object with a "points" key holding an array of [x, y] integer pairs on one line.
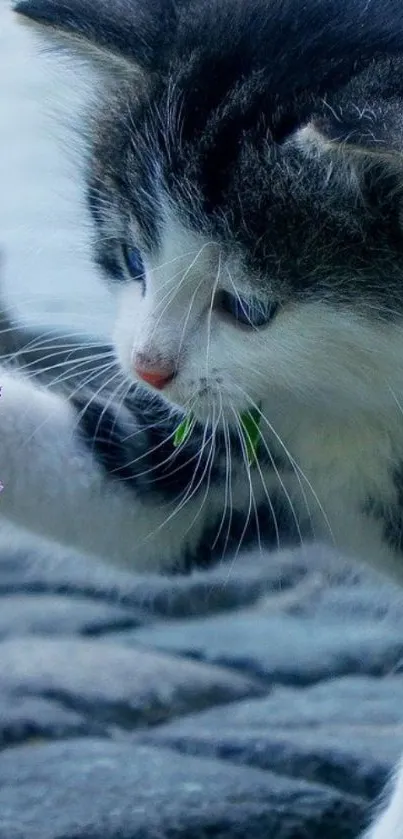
{"points": [[263, 700]]}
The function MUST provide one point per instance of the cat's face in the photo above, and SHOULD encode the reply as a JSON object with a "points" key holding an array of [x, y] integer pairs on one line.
{"points": [[281, 287], [256, 264]]}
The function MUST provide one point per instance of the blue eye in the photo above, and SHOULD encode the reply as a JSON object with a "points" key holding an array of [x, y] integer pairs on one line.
{"points": [[134, 263], [250, 312]]}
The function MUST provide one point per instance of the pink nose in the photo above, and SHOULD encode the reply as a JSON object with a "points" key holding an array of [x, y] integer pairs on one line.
{"points": [[156, 378]]}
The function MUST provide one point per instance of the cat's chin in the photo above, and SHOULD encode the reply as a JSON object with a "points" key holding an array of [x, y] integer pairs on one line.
{"points": [[200, 410], [208, 405], [214, 412]]}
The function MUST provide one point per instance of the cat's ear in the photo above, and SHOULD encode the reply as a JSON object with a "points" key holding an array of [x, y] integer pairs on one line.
{"points": [[337, 54], [366, 115], [117, 34]]}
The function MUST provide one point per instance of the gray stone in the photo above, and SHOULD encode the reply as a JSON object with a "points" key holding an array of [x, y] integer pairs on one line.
{"points": [[372, 599], [115, 684], [26, 718], [279, 647], [51, 614], [41, 569], [99, 789], [347, 732]]}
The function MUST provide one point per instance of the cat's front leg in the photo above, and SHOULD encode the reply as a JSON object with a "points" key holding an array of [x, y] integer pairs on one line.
{"points": [[56, 483]]}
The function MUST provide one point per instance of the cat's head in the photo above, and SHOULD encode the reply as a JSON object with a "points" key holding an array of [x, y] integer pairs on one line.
{"points": [[246, 182]]}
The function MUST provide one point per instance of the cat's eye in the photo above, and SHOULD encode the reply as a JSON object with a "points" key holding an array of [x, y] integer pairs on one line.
{"points": [[134, 263], [251, 312]]}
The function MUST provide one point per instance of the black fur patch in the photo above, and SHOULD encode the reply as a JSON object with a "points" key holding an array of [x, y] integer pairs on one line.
{"points": [[136, 30], [391, 516], [269, 527], [135, 445]]}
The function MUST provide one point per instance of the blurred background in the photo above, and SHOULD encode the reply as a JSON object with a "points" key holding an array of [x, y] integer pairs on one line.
{"points": [[47, 273]]}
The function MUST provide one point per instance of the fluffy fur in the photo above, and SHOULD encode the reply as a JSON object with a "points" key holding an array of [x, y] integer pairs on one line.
{"points": [[244, 177]]}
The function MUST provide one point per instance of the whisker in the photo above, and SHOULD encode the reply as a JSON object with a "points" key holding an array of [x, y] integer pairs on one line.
{"points": [[237, 295], [210, 459], [146, 453], [190, 492], [187, 320], [112, 398], [210, 314], [227, 488], [70, 363], [206, 471], [94, 395], [299, 473], [176, 289], [267, 494]]}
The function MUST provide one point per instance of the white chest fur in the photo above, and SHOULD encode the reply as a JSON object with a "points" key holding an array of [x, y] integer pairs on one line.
{"points": [[344, 478]]}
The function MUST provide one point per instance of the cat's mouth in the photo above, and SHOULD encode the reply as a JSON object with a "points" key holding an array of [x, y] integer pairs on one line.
{"points": [[209, 399], [208, 402]]}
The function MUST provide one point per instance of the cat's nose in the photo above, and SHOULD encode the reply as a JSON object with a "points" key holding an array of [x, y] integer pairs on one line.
{"points": [[157, 377], [154, 378]]}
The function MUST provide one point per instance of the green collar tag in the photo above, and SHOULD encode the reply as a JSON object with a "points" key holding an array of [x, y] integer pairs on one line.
{"points": [[251, 434], [250, 429], [183, 430]]}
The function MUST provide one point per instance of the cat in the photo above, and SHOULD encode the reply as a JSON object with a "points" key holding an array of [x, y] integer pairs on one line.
{"points": [[244, 177]]}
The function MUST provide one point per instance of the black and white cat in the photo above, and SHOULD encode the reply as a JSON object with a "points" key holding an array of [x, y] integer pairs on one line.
{"points": [[245, 178]]}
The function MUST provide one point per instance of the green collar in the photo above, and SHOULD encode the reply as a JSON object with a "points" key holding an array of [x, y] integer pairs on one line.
{"points": [[250, 429]]}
